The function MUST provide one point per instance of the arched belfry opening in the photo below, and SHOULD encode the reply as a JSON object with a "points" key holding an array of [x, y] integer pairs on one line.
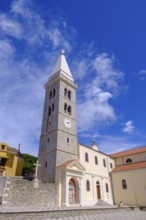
{"points": [[73, 191]]}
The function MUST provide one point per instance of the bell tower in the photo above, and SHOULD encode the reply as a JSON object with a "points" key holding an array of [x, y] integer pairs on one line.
{"points": [[58, 140]]}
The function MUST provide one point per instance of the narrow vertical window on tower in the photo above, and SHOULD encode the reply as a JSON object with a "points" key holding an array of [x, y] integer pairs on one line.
{"points": [[69, 95], [69, 110], [67, 140], [50, 96], [65, 92], [65, 107], [54, 92], [49, 111]]}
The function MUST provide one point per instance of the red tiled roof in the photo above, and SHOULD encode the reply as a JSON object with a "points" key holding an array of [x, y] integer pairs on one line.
{"points": [[65, 163], [129, 152], [130, 166]]}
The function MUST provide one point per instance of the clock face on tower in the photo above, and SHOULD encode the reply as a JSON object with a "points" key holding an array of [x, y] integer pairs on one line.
{"points": [[67, 123]]}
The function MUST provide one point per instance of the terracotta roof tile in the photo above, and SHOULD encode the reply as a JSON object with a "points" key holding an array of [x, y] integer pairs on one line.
{"points": [[130, 166], [129, 152], [65, 163]]}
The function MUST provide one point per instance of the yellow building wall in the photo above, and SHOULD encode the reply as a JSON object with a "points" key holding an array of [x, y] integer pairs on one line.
{"points": [[91, 166], [135, 194], [14, 164], [101, 172], [89, 194], [135, 158], [20, 163]]}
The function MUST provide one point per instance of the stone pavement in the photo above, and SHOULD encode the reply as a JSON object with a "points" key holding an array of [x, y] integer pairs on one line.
{"points": [[133, 215], [71, 213], [40, 208]]}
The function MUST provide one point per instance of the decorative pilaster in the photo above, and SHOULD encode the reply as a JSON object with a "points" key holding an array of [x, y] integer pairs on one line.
{"points": [[94, 189], [103, 188], [82, 191], [66, 191]]}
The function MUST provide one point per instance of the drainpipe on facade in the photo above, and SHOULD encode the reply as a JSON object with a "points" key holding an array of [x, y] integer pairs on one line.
{"points": [[112, 188]]}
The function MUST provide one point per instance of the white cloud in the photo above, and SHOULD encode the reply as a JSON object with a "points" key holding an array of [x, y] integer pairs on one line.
{"points": [[107, 74], [81, 67], [98, 92], [24, 70], [142, 74], [7, 51], [129, 127], [93, 111], [22, 7], [25, 66], [10, 27], [113, 144], [36, 31]]}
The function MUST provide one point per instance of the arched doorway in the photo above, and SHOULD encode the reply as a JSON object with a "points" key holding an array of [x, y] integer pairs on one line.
{"points": [[98, 190], [73, 192]]}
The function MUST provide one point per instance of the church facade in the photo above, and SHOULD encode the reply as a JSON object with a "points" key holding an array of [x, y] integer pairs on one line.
{"points": [[82, 173]]}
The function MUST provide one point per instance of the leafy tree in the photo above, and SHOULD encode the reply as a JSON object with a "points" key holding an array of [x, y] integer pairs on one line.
{"points": [[29, 167]]}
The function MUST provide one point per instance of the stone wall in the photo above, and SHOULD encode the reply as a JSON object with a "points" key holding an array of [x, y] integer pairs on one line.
{"points": [[20, 192], [2, 186]]}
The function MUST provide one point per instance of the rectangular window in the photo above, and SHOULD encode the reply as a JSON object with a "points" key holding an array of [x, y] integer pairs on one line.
{"points": [[67, 140], [2, 147], [2, 161], [104, 163], [111, 165]]}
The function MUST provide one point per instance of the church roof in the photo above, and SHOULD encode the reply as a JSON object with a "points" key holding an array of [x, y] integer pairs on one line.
{"points": [[61, 65], [65, 163], [129, 152], [130, 166]]}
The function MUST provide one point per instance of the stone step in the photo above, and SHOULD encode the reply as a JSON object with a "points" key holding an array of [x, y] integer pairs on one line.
{"points": [[102, 203]]}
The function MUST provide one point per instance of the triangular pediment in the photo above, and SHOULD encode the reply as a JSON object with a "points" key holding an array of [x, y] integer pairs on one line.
{"points": [[75, 165], [72, 165]]}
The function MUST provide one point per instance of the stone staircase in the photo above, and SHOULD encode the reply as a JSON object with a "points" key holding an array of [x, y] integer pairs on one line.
{"points": [[102, 203]]}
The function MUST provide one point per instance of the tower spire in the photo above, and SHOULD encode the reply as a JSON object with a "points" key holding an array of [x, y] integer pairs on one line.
{"points": [[62, 67]]}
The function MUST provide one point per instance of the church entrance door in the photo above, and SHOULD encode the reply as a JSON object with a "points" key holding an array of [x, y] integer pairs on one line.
{"points": [[72, 192], [98, 190]]}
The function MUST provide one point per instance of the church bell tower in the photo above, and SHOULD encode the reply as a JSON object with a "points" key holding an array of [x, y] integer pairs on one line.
{"points": [[58, 140]]}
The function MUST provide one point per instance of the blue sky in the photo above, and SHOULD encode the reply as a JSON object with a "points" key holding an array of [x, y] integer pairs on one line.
{"points": [[105, 46]]}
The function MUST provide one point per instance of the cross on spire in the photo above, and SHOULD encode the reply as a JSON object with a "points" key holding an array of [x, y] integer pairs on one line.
{"points": [[62, 51]]}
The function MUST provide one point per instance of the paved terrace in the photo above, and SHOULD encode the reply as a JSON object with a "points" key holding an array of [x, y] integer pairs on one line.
{"points": [[72, 213]]}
